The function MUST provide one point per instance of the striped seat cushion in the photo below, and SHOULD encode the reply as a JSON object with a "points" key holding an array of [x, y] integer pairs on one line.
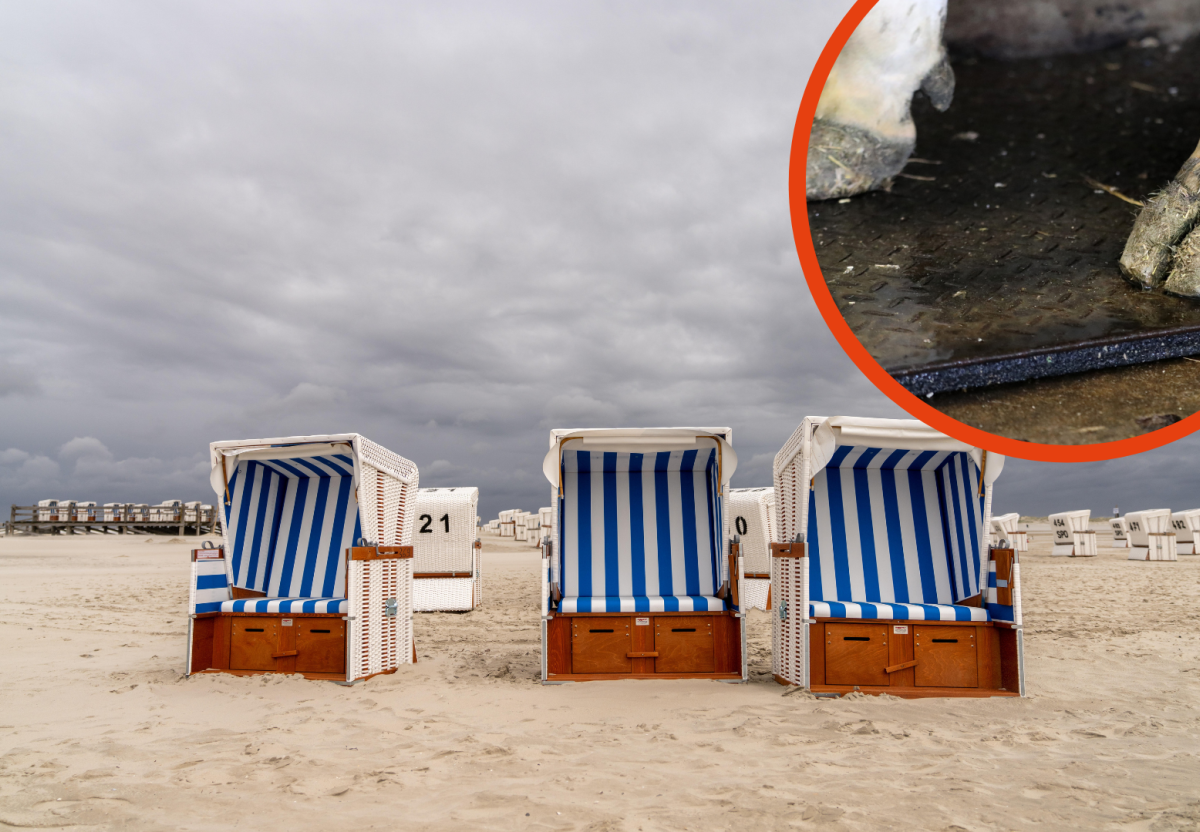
{"points": [[899, 612], [644, 603], [285, 605]]}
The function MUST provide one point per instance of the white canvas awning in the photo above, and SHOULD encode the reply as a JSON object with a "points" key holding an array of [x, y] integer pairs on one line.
{"points": [[638, 440]]}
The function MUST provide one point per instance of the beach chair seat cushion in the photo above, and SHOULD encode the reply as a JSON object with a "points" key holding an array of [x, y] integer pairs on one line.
{"points": [[286, 605], [643, 603], [899, 612]]}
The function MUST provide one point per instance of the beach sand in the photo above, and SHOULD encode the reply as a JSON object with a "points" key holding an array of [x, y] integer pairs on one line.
{"points": [[100, 729]]}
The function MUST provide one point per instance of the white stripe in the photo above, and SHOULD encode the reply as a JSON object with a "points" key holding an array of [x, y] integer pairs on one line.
{"points": [[624, 541], [912, 566], [650, 526], [858, 583], [599, 584], [883, 560], [675, 503], [703, 532], [937, 540]]}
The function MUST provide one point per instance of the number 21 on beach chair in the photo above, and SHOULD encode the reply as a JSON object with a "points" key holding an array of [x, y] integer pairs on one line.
{"points": [[883, 578], [446, 546], [640, 578], [314, 574]]}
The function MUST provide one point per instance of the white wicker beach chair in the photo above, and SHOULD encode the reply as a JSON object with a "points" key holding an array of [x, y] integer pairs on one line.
{"points": [[1072, 536], [1007, 527], [1150, 535], [1186, 525], [1120, 532], [446, 561], [315, 572], [752, 512], [883, 578], [48, 510], [508, 525], [639, 579]]}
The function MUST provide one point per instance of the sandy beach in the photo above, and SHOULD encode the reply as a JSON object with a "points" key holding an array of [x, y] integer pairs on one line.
{"points": [[100, 729]]}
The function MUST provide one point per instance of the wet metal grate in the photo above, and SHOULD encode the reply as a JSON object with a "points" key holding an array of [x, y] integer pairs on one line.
{"points": [[999, 264]]}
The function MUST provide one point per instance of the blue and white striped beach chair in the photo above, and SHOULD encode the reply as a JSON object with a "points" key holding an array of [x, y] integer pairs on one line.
{"points": [[881, 564], [638, 580], [292, 591]]}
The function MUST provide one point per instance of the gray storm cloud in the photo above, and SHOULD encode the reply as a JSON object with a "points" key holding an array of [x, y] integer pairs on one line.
{"points": [[450, 227]]}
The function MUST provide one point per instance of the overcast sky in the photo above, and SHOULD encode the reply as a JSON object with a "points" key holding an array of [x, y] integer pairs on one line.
{"points": [[450, 227]]}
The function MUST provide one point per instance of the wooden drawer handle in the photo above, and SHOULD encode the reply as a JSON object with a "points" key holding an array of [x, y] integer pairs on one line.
{"points": [[902, 666], [646, 654], [284, 654]]}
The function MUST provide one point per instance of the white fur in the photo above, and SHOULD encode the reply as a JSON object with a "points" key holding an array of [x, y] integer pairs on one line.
{"points": [[892, 50]]}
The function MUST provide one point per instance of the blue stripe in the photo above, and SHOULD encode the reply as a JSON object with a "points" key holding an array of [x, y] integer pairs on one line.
{"points": [[814, 546], [260, 515], [314, 537], [299, 507], [637, 525], [612, 575], [584, 488], [965, 554], [891, 512], [329, 584], [866, 524], [948, 520], [211, 582], [687, 495], [974, 514], [243, 510], [662, 510], [716, 530]]}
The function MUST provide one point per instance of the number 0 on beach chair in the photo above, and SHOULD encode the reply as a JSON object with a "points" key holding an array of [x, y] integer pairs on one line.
{"points": [[315, 572], [639, 579], [753, 514], [882, 577], [446, 566], [1072, 537]]}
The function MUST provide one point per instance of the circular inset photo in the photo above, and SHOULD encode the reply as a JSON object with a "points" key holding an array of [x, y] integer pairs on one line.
{"points": [[996, 207]]}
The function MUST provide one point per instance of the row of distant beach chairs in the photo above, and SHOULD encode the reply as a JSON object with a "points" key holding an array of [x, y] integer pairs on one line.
{"points": [[78, 511], [1153, 534]]}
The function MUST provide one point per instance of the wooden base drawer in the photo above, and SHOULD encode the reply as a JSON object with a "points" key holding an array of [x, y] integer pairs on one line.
{"points": [[947, 657], [601, 644]]}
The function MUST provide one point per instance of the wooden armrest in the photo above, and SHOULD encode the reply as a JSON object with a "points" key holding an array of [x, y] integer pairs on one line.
{"points": [[241, 592]]}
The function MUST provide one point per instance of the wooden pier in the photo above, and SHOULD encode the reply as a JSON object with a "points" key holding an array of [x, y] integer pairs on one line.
{"points": [[129, 518]]}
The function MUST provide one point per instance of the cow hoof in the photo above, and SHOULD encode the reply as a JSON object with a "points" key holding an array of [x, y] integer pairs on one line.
{"points": [[845, 161], [1184, 278], [1160, 228]]}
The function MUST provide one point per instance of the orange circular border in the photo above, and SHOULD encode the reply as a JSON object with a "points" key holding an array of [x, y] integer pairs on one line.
{"points": [[850, 343]]}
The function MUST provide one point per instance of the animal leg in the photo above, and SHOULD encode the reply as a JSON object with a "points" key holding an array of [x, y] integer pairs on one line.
{"points": [[1158, 231]]}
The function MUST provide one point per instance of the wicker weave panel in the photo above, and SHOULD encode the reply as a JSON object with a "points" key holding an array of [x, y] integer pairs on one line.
{"points": [[443, 594], [434, 548], [379, 642], [789, 620], [754, 593]]}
